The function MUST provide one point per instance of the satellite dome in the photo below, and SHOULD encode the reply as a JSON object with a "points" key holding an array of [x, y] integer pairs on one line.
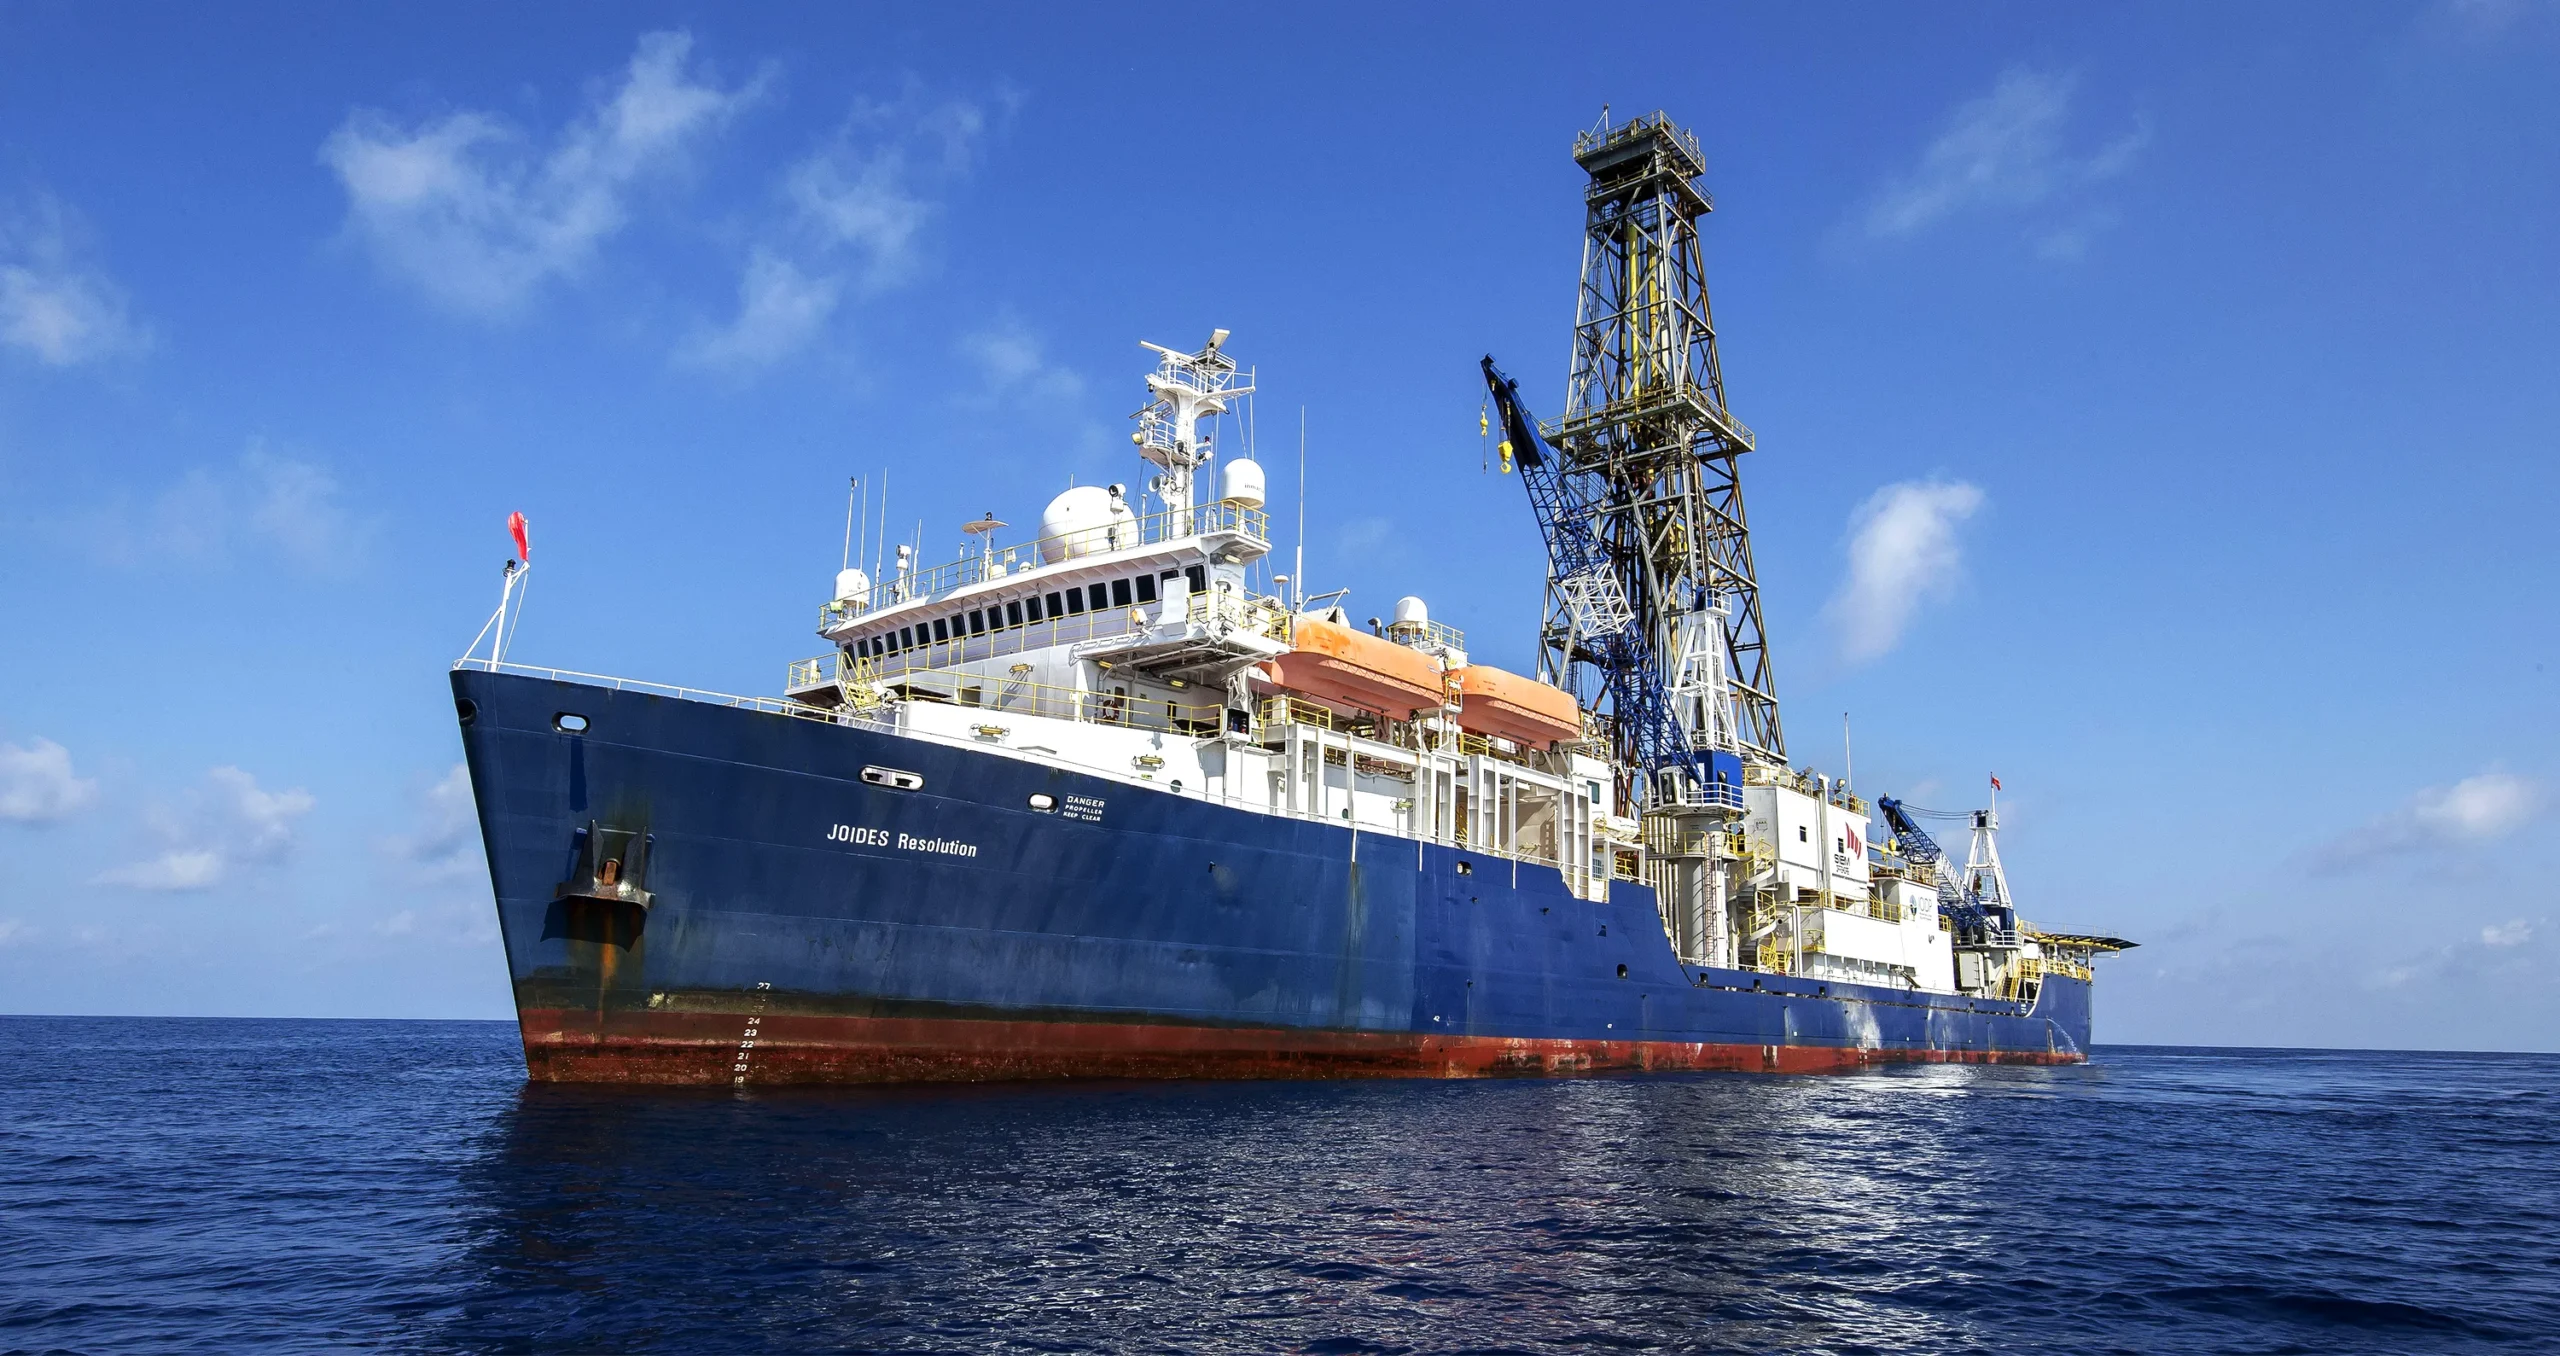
{"points": [[1086, 520]]}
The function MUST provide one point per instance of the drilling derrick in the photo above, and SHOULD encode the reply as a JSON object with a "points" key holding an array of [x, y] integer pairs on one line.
{"points": [[1648, 457]]}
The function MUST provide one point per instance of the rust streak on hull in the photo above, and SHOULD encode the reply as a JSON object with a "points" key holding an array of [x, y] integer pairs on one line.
{"points": [[705, 1049]]}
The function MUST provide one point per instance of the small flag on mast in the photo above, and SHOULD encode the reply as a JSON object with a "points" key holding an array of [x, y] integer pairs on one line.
{"points": [[1995, 783], [524, 544]]}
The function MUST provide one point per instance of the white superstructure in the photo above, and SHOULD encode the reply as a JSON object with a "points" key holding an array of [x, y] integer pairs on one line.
{"points": [[1145, 639]]}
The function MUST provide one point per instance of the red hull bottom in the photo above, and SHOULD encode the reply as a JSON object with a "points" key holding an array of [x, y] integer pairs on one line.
{"points": [[737, 1049]]}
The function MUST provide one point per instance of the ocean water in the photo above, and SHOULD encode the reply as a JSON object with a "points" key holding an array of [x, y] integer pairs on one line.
{"points": [[172, 1185]]}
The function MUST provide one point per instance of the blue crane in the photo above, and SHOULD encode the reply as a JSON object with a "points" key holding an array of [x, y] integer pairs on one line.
{"points": [[1650, 736], [1962, 906]]}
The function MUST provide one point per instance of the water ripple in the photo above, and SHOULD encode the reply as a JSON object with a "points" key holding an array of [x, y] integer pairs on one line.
{"points": [[286, 1186]]}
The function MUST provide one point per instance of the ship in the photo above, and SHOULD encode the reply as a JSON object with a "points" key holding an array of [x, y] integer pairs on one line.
{"points": [[1117, 798]]}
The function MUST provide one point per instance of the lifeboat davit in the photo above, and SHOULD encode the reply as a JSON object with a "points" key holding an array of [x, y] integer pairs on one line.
{"points": [[1508, 706], [1339, 666]]}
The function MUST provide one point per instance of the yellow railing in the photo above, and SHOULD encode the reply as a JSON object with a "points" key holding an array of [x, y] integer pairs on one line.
{"points": [[832, 670], [1005, 561], [1261, 616], [1760, 933], [1283, 709], [1020, 696]]}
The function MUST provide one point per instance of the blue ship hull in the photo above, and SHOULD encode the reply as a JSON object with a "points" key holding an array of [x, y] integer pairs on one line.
{"points": [[800, 923]]}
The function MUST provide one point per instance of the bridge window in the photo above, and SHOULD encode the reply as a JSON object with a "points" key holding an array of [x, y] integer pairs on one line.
{"points": [[977, 623], [1198, 576], [1054, 613], [1100, 594], [1075, 603], [941, 630], [1146, 588], [1119, 592], [1013, 614], [906, 637]]}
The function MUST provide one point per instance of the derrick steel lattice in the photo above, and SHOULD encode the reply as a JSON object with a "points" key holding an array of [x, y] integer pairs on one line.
{"points": [[1648, 450]]}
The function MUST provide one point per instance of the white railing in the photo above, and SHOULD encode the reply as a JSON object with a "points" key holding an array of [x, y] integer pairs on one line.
{"points": [[780, 706], [1423, 635]]}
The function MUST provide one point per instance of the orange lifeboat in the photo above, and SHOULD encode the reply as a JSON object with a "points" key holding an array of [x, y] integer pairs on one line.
{"points": [[1508, 706], [1340, 666]]}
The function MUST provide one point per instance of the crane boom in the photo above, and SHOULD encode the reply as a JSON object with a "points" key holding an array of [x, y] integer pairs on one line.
{"points": [[1956, 902]]}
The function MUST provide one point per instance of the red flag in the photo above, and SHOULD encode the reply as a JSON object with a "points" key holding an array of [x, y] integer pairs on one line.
{"points": [[524, 546], [1995, 782]]}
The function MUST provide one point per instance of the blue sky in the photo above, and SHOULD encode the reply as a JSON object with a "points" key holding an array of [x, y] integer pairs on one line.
{"points": [[2156, 408]]}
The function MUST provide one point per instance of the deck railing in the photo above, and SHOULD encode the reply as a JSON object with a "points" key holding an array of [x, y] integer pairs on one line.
{"points": [[1025, 698], [1000, 695], [1002, 562], [1426, 634], [780, 706]]}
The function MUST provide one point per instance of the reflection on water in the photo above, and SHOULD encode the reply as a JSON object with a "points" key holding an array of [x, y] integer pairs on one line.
{"points": [[333, 1184]]}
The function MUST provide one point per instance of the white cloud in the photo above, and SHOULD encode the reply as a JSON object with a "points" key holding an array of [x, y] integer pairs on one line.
{"points": [[859, 208], [864, 191], [2486, 20], [2004, 149], [2070, 241], [2476, 810], [268, 503], [292, 507], [446, 842], [55, 306], [37, 784], [2515, 947], [15, 930], [228, 823], [463, 208], [1362, 536], [780, 308], [1014, 364], [1903, 552], [864, 205]]}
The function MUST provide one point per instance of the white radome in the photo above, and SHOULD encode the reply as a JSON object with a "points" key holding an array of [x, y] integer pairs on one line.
{"points": [[1081, 522], [851, 585], [1240, 483], [1411, 612]]}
